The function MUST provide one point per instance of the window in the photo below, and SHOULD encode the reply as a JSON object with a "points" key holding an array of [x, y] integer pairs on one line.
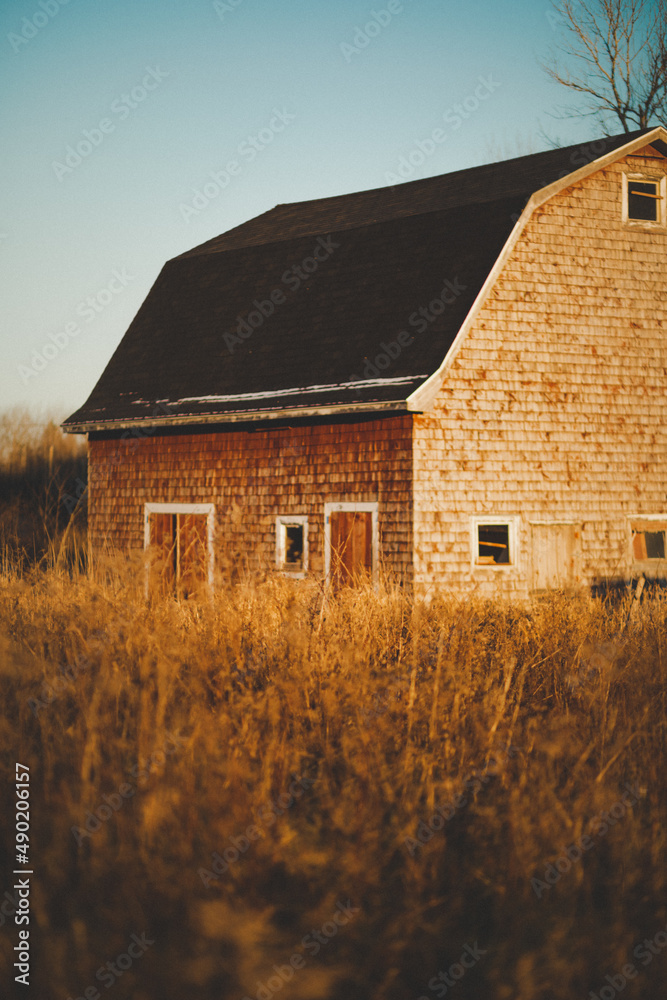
{"points": [[493, 542], [292, 544], [180, 538], [644, 200], [643, 197], [648, 540]]}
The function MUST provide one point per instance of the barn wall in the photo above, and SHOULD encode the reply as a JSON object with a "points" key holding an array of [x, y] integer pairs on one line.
{"points": [[555, 407], [252, 476]]}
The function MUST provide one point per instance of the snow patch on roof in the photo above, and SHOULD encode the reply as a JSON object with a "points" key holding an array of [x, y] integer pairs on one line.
{"points": [[275, 393]]}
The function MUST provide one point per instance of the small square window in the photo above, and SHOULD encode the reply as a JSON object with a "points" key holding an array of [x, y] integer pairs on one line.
{"points": [[292, 544], [648, 542], [493, 545], [643, 201]]}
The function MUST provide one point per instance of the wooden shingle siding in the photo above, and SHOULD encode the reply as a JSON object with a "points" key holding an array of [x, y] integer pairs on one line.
{"points": [[555, 408], [252, 476]]}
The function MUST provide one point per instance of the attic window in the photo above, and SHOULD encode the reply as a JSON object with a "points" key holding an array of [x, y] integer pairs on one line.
{"points": [[648, 541], [493, 543], [644, 200], [292, 544]]}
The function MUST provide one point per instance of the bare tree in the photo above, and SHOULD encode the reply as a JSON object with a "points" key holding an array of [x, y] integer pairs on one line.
{"points": [[613, 53]]}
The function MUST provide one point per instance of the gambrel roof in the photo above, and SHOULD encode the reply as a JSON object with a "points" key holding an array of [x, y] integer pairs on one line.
{"points": [[339, 305]]}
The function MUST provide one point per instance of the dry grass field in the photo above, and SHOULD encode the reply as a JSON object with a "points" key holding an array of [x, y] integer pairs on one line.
{"points": [[265, 794]]}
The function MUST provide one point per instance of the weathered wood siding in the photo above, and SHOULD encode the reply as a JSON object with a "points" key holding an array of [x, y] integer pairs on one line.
{"points": [[252, 476], [556, 406]]}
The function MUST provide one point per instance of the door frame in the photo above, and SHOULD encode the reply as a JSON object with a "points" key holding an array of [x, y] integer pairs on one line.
{"points": [[332, 508], [207, 509]]}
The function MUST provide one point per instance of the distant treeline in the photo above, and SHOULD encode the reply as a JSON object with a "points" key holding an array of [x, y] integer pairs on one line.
{"points": [[42, 499]]}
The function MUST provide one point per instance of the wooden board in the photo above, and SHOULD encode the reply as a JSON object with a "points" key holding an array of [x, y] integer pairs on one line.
{"points": [[554, 553]]}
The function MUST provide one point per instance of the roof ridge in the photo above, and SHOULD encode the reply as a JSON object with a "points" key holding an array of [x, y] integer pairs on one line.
{"points": [[344, 228], [330, 203], [628, 136]]}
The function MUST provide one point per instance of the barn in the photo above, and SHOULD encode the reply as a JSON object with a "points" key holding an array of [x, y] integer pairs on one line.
{"points": [[457, 383]]}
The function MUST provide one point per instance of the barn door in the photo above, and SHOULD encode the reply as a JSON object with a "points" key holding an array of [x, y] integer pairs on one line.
{"points": [[180, 545], [350, 546], [555, 556]]}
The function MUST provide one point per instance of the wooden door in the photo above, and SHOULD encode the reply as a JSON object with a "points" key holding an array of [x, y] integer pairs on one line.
{"points": [[555, 556], [179, 544], [351, 546]]}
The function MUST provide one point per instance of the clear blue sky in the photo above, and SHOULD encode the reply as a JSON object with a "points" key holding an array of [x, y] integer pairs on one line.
{"points": [[170, 92]]}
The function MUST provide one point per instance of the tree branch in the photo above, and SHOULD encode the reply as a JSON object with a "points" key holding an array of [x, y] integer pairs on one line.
{"points": [[620, 49]]}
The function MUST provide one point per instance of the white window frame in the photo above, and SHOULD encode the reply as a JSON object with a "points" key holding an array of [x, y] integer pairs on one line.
{"points": [[661, 181], [513, 536], [288, 521], [659, 519], [372, 508], [184, 508]]}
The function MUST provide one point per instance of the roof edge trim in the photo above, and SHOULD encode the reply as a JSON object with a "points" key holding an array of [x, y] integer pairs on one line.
{"points": [[423, 397], [193, 419]]}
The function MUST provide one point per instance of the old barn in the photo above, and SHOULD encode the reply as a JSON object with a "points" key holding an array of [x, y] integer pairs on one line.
{"points": [[458, 381]]}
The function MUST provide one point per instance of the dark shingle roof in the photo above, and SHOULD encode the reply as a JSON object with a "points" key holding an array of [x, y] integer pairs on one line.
{"points": [[385, 254]]}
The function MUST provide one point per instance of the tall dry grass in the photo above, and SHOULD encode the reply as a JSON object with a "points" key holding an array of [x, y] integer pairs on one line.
{"points": [[389, 707]]}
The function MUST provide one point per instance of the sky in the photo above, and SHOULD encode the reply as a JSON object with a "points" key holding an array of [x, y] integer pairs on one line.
{"points": [[132, 132]]}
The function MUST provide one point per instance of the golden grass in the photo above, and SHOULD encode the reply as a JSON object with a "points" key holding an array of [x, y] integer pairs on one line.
{"points": [[390, 707]]}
